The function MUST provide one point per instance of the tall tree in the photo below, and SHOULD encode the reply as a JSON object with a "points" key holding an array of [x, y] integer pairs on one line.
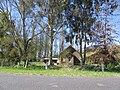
{"points": [[6, 39], [25, 30], [104, 31], [52, 10], [62, 39], [80, 16]]}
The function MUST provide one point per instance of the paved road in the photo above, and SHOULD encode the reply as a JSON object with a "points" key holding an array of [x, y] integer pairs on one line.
{"points": [[37, 82]]}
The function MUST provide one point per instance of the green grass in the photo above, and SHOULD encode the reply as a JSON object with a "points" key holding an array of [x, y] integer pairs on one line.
{"points": [[89, 54], [52, 72], [60, 70]]}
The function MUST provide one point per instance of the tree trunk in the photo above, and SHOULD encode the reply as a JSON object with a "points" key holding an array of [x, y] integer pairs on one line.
{"points": [[84, 49], [50, 21], [81, 49], [26, 63], [24, 33], [102, 67], [62, 35], [46, 50], [51, 47], [18, 64], [23, 26], [2, 63]]}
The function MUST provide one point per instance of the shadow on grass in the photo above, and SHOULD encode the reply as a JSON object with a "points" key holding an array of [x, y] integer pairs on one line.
{"points": [[97, 68], [83, 68], [36, 67], [115, 70], [42, 67]]}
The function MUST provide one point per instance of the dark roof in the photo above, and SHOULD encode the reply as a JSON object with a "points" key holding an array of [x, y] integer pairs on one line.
{"points": [[68, 51]]}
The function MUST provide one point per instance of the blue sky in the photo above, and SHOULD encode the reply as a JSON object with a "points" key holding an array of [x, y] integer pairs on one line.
{"points": [[115, 20]]}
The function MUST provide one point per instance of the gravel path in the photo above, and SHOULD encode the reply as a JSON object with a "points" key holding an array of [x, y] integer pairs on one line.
{"points": [[37, 82]]}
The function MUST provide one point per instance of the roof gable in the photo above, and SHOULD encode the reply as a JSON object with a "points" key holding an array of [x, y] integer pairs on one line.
{"points": [[69, 51]]}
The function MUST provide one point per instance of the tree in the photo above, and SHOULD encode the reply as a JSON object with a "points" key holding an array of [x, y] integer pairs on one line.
{"points": [[103, 32], [23, 12], [103, 29], [25, 24], [52, 10], [62, 39], [6, 39], [80, 17]]}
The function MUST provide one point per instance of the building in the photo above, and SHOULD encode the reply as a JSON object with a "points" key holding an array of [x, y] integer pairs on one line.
{"points": [[54, 60], [70, 56]]}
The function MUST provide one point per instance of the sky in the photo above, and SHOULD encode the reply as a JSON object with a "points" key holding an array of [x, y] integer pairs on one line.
{"points": [[115, 20]]}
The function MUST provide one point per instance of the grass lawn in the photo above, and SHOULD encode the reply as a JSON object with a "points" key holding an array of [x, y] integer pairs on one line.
{"points": [[60, 72]]}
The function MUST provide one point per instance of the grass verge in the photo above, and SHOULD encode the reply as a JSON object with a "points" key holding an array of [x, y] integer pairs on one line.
{"points": [[60, 72]]}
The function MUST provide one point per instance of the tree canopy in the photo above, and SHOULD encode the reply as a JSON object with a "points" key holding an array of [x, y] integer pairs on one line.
{"points": [[33, 29]]}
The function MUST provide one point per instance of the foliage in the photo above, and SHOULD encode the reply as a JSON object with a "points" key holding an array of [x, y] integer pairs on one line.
{"points": [[80, 18], [8, 52], [105, 56], [28, 28], [102, 32], [83, 19]]}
